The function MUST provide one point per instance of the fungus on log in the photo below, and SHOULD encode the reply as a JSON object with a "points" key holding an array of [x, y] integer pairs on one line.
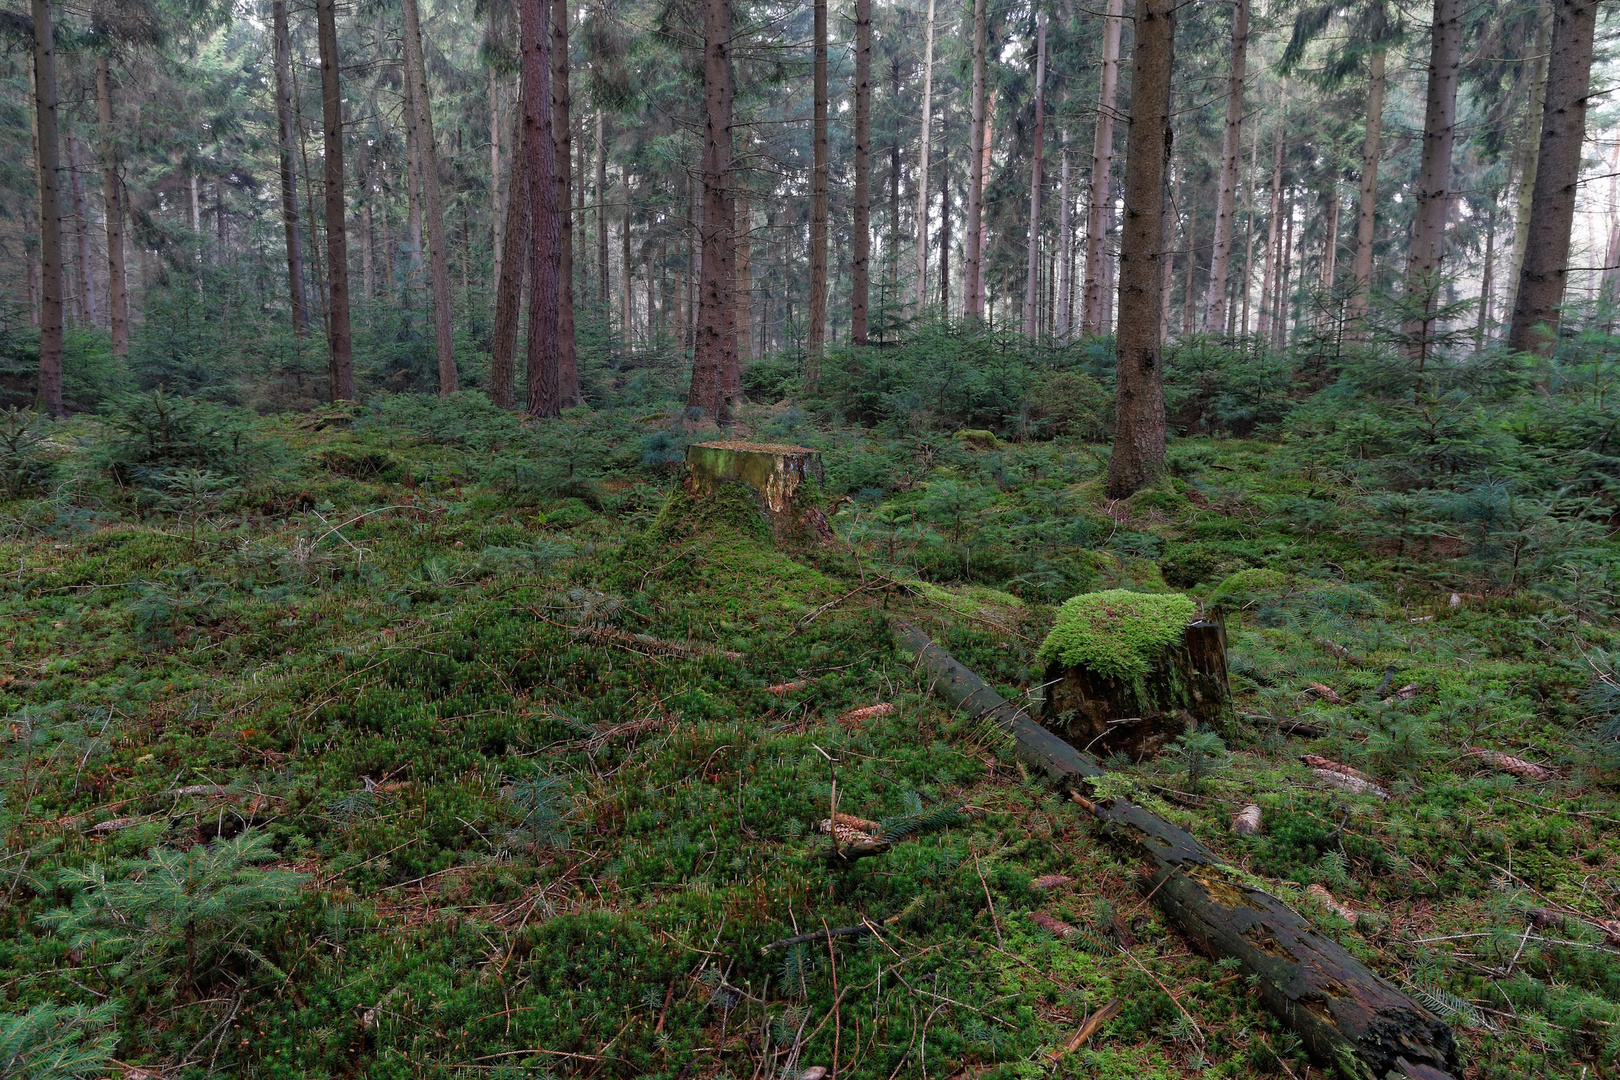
{"points": [[1128, 672], [1346, 1015], [775, 473]]}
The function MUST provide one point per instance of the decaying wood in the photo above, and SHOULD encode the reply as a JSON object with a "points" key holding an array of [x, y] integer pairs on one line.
{"points": [[860, 930], [1344, 1013], [1320, 894], [1246, 822], [1088, 1027], [773, 472], [1345, 777], [850, 821], [1405, 693], [1525, 770], [1300, 727], [1326, 693], [1335, 649]]}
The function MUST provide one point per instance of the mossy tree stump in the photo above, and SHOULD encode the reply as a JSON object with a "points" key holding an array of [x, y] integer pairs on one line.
{"points": [[1130, 672], [778, 476]]}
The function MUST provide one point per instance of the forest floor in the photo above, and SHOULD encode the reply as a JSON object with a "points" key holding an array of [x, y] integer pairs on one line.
{"points": [[540, 753]]}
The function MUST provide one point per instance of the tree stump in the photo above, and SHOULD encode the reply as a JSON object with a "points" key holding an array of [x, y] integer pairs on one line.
{"points": [[1135, 701], [774, 473]]}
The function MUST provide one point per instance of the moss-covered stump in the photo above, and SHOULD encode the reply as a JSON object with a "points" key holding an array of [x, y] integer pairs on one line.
{"points": [[1129, 672], [776, 474]]}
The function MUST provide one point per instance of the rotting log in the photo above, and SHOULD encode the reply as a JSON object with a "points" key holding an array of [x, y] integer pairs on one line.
{"points": [[1346, 1015], [774, 472]]}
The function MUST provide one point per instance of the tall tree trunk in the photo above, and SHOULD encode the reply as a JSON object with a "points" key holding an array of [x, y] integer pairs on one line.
{"points": [[1139, 425], [1248, 243], [367, 241], [716, 339], [603, 285], [432, 208], [1065, 296], [972, 270], [509, 285], [562, 129], [1530, 139], [289, 180], [745, 277], [1425, 262], [985, 146], [1285, 263], [1487, 282], [50, 215], [1032, 327], [893, 294], [1330, 238], [497, 219], [81, 228], [1167, 271], [925, 140], [1220, 261], [944, 221], [817, 330], [545, 224], [340, 365], [194, 217], [1189, 300], [1366, 211], [1100, 200], [1268, 279], [113, 205], [1558, 172], [861, 226], [624, 263]]}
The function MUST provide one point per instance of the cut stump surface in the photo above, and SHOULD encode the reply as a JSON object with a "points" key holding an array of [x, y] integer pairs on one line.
{"points": [[775, 472]]}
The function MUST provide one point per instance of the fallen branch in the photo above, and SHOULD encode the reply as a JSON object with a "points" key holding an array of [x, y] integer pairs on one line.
{"points": [[1088, 1027], [1338, 1007], [819, 935], [1345, 777], [1339, 651], [1320, 894]]}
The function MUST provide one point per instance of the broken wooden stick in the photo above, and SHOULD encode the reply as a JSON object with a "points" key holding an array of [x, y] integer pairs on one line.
{"points": [[1344, 777], [1342, 1011], [1088, 1027], [1326, 693], [1320, 894]]}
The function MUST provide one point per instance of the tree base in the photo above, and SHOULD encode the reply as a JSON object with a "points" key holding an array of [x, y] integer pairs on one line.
{"points": [[779, 476]]}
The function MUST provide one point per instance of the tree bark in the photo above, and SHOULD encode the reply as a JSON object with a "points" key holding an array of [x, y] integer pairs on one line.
{"points": [[432, 207], [1366, 211], [893, 294], [1065, 297], [1268, 278], [1530, 139], [81, 228], [497, 219], [562, 135], [603, 285], [1558, 172], [50, 215], [1487, 282], [545, 240], [1032, 326], [289, 180], [1189, 299], [925, 140], [113, 204], [744, 245], [1100, 197], [509, 285], [1346, 1015], [1248, 243], [972, 270], [861, 241], [944, 220], [716, 340], [816, 332], [1432, 191], [340, 365], [1226, 192], [1139, 425]]}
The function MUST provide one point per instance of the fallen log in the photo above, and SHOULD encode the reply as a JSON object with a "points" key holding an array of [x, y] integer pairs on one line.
{"points": [[1345, 1014]]}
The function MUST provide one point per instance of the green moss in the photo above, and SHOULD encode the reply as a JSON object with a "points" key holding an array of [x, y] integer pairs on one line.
{"points": [[1246, 583], [974, 601], [1116, 632]]}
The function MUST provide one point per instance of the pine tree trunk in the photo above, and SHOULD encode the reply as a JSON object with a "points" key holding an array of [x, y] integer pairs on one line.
{"points": [[1139, 423], [289, 180], [1220, 262], [985, 146], [861, 226], [604, 287], [367, 241], [1032, 327], [113, 205], [50, 215], [545, 239], [925, 138], [340, 366], [716, 340], [81, 227], [1065, 287], [972, 270], [1285, 263], [509, 285], [1268, 279], [432, 207], [1100, 197], [497, 219], [562, 129], [624, 265], [1486, 282], [1530, 139], [1366, 211], [816, 332], [1558, 171], [1432, 189]]}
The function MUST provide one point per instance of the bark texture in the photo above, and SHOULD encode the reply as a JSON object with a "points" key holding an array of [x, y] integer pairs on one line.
{"points": [[81, 230], [112, 195], [1268, 278], [1432, 191], [285, 137], [562, 136], [1032, 325], [1065, 298], [1139, 431], [817, 330], [1529, 141], [48, 166], [925, 139], [340, 348], [432, 207], [1102, 165], [545, 289], [1366, 210], [861, 241], [1226, 190], [509, 285], [716, 342], [1558, 172], [972, 270]]}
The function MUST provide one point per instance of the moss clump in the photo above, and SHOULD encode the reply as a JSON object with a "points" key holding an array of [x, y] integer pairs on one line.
{"points": [[1117, 632], [1246, 583]]}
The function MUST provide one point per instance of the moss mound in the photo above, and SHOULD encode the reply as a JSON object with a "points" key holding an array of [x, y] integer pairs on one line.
{"points": [[1116, 632], [1246, 583]]}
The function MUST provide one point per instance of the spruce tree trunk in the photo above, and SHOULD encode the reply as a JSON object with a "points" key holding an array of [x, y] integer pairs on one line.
{"points": [[1032, 326], [432, 207], [861, 240], [81, 228], [893, 295], [1139, 424], [1269, 277], [744, 245], [113, 205], [1248, 243], [509, 285], [497, 218], [1189, 299], [972, 270], [1558, 172], [562, 129], [50, 214], [289, 179], [1487, 283], [716, 339], [925, 140], [1065, 297], [1530, 139], [1226, 192], [340, 364], [545, 240], [1093, 321], [1426, 260], [944, 220], [1361, 269], [604, 287], [816, 332], [1330, 241]]}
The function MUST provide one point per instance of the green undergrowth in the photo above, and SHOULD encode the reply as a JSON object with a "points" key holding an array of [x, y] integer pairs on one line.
{"points": [[1117, 633], [480, 748]]}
